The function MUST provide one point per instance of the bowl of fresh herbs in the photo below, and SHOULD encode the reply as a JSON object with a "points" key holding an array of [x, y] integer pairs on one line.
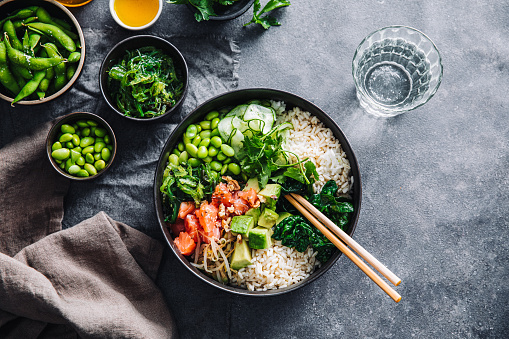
{"points": [[237, 139], [144, 78]]}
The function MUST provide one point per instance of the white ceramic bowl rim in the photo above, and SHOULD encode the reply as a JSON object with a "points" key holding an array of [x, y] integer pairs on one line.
{"points": [[138, 28]]}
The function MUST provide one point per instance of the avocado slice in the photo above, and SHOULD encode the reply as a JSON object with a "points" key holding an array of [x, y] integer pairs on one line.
{"points": [[255, 213], [268, 218], [252, 183], [259, 238], [241, 255], [282, 216], [271, 193], [242, 224]]}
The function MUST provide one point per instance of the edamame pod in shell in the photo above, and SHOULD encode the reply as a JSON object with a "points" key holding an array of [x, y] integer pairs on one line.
{"points": [[56, 33], [33, 63]]}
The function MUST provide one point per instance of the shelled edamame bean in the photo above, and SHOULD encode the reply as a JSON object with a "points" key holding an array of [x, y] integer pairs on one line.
{"points": [[27, 70], [82, 148], [201, 144]]}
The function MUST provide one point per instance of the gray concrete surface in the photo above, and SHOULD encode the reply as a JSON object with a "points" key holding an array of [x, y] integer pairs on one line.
{"points": [[435, 180]]}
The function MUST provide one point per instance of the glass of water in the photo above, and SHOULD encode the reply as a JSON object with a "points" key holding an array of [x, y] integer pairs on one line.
{"points": [[396, 69]]}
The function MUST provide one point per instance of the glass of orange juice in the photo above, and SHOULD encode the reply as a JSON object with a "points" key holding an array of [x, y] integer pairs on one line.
{"points": [[73, 3], [136, 14]]}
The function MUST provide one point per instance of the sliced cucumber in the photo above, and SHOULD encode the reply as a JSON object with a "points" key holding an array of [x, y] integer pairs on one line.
{"points": [[225, 128], [260, 118], [237, 111]]}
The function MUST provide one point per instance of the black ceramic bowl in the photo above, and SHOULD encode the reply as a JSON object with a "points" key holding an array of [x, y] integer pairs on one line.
{"points": [[228, 12], [56, 10], [132, 43], [70, 119], [235, 98]]}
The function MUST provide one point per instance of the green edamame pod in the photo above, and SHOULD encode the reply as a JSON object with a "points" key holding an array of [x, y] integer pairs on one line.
{"points": [[33, 40], [74, 57], [22, 72], [7, 79], [26, 44], [60, 69], [55, 32], [62, 23], [30, 87], [10, 31], [71, 69], [33, 63], [50, 73], [44, 84], [40, 94]]}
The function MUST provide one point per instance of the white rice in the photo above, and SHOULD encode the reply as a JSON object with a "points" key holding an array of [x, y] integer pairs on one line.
{"points": [[281, 266], [311, 139], [275, 267]]}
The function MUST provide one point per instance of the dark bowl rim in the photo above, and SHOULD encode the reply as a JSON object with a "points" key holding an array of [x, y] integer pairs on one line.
{"points": [[106, 59], [230, 16], [328, 122], [81, 63], [76, 115]]}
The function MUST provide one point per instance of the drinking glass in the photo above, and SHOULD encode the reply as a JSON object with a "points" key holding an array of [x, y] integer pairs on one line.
{"points": [[396, 69], [73, 3]]}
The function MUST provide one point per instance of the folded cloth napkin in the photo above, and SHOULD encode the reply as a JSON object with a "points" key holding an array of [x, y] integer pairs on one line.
{"points": [[92, 280]]}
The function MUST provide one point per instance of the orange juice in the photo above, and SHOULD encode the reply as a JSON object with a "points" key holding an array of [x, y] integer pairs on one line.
{"points": [[136, 13]]}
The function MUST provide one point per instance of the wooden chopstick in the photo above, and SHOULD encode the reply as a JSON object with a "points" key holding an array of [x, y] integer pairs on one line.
{"points": [[343, 248], [348, 240]]}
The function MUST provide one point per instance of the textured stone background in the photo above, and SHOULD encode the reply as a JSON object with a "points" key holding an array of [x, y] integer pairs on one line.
{"points": [[435, 180]]}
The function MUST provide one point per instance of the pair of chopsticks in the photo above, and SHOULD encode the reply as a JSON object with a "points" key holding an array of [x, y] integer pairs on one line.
{"points": [[318, 219]]}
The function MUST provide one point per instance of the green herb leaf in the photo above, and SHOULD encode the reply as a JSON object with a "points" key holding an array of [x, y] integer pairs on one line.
{"points": [[266, 21]]}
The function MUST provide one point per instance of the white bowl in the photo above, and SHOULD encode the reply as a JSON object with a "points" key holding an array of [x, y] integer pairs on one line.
{"points": [[137, 28]]}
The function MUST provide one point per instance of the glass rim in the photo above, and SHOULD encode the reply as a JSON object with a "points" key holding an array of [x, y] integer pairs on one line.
{"points": [[432, 92]]}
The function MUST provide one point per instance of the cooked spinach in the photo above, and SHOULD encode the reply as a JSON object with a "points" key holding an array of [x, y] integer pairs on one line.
{"points": [[337, 209], [145, 82], [266, 21], [295, 231]]}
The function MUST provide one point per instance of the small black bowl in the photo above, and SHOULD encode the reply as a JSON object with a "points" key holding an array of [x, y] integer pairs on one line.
{"points": [[229, 12], [231, 99], [134, 42], [70, 119]]}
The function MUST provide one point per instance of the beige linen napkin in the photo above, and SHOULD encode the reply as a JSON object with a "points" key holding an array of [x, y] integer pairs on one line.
{"points": [[93, 280]]}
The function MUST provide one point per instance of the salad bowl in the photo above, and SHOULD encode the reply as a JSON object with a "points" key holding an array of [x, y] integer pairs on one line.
{"points": [[234, 98]]}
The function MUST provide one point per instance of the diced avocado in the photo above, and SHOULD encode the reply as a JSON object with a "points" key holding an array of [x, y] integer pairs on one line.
{"points": [[241, 255], [282, 216], [268, 218], [252, 183], [271, 194], [255, 213], [259, 238], [242, 224]]}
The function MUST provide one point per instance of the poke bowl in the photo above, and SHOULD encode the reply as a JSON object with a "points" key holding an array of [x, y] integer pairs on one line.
{"points": [[230, 225], [48, 31]]}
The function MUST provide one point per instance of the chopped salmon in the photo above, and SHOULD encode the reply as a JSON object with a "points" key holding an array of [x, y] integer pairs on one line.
{"points": [[250, 196], [222, 195], [215, 235], [185, 243], [207, 215], [186, 207], [241, 206], [177, 227], [192, 225]]}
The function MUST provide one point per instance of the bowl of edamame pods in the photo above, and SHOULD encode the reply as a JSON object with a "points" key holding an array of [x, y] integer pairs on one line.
{"points": [[81, 146], [144, 78], [42, 51]]}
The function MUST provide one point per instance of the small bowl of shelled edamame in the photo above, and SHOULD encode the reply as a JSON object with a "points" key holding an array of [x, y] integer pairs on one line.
{"points": [[144, 78], [42, 51], [81, 146]]}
